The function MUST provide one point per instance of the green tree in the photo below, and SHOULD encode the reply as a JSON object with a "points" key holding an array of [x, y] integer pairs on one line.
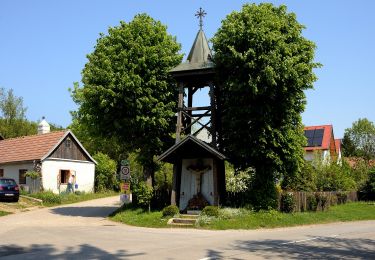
{"points": [[264, 64], [13, 122], [105, 173], [359, 140], [127, 91]]}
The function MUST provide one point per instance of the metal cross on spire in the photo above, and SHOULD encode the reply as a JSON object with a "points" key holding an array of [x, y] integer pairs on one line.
{"points": [[201, 13]]}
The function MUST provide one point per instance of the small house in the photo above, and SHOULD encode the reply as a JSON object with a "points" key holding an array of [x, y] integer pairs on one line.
{"points": [[55, 155], [321, 142]]}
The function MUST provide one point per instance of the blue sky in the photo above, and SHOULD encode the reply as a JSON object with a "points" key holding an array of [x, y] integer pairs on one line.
{"points": [[43, 48]]}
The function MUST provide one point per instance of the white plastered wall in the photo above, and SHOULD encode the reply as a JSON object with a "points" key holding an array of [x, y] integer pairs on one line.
{"points": [[85, 174], [189, 185], [12, 171]]}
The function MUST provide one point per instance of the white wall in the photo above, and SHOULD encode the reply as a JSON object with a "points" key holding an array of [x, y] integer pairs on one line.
{"points": [[324, 155], [85, 174], [189, 185], [12, 171]]}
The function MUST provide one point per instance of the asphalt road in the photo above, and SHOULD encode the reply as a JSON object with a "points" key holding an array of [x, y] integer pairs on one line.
{"points": [[81, 231]]}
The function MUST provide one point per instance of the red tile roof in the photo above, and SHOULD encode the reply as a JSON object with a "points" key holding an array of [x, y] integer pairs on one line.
{"points": [[28, 148], [326, 137]]}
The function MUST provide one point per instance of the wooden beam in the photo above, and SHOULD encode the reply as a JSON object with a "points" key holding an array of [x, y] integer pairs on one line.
{"points": [[197, 108]]}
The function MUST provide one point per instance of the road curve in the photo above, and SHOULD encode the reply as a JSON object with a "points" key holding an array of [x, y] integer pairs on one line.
{"points": [[81, 231]]}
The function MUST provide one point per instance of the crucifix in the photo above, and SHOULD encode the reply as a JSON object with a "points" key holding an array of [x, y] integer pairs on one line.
{"points": [[198, 170], [201, 13]]}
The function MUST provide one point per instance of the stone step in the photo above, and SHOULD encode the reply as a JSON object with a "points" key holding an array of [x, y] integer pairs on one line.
{"points": [[182, 221], [193, 212], [189, 216]]}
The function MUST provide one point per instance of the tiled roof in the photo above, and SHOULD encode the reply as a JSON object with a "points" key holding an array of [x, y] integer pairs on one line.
{"points": [[326, 137], [28, 148]]}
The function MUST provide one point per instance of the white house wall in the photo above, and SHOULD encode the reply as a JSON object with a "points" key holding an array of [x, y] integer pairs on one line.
{"points": [[85, 174], [12, 171]]}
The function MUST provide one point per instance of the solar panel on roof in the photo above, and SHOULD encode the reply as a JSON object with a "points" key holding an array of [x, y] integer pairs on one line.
{"points": [[314, 137]]}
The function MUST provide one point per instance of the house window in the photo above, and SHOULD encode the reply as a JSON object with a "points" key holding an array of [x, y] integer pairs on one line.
{"points": [[64, 176], [1, 173], [22, 176]]}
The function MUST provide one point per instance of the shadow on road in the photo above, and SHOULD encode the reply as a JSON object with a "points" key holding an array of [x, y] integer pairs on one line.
{"points": [[46, 251], [84, 211], [323, 247]]}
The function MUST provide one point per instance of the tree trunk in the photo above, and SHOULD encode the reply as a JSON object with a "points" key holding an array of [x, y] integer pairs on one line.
{"points": [[148, 173]]}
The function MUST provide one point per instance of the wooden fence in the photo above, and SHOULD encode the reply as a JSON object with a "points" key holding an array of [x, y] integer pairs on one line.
{"points": [[300, 198], [330, 198]]}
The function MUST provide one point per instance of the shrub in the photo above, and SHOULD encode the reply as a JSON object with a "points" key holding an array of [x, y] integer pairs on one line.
{"points": [[105, 173], [170, 211], [228, 213], [48, 197], [203, 220], [211, 211], [143, 194], [312, 204], [288, 202]]}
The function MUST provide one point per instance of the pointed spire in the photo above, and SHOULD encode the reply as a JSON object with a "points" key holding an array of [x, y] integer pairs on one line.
{"points": [[200, 53]]}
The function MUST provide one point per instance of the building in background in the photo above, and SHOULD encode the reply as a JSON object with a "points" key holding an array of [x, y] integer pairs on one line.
{"points": [[321, 143], [55, 155]]}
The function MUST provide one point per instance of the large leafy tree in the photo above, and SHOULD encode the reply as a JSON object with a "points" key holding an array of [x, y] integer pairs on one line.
{"points": [[359, 140], [13, 122], [127, 91], [264, 64]]}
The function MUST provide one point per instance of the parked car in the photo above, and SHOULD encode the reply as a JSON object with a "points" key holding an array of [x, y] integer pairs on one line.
{"points": [[9, 190]]}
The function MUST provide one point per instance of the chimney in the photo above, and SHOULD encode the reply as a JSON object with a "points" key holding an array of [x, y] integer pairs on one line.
{"points": [[43, 127]]}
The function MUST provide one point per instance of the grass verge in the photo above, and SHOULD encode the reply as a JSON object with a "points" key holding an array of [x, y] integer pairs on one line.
{"points": [[139, 217], [50, 199], [273, 219], [3, 213], [246, 219]]}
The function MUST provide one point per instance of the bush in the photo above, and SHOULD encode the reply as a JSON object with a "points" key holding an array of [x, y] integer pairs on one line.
{"points": [[228, 213], [143, 194], [105, 173], [312, 204], [170, 211], [211, 211], [288, 202], [48, 197]]}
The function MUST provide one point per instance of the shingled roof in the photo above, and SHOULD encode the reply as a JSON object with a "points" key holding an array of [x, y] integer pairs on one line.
{"points": [[199, 57], [29, 148]]}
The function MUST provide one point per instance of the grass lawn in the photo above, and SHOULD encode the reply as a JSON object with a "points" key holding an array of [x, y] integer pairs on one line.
{"points": [[245, 219], [3, 213], [50, 199], [273, 219], [139, 217]]}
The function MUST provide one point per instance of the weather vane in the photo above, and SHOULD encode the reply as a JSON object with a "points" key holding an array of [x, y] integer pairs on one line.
{"points": [[201, 13]]}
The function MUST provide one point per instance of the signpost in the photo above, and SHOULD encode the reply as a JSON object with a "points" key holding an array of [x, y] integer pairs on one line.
{"points": [[125, 182]]}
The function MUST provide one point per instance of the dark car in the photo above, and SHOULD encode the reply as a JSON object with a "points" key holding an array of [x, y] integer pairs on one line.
{"points": [[9, 190]]}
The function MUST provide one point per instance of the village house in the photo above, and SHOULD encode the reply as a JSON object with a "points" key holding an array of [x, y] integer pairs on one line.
{"points": [[55, 155], [321, 142]]}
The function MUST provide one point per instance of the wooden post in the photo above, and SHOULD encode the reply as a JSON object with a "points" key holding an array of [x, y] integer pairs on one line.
{"points": [[179, 113], [213, 113], [190, 104], [174, 185]]}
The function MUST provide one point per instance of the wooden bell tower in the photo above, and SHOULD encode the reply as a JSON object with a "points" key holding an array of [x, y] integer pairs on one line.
{"points": [[191, 153]]}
